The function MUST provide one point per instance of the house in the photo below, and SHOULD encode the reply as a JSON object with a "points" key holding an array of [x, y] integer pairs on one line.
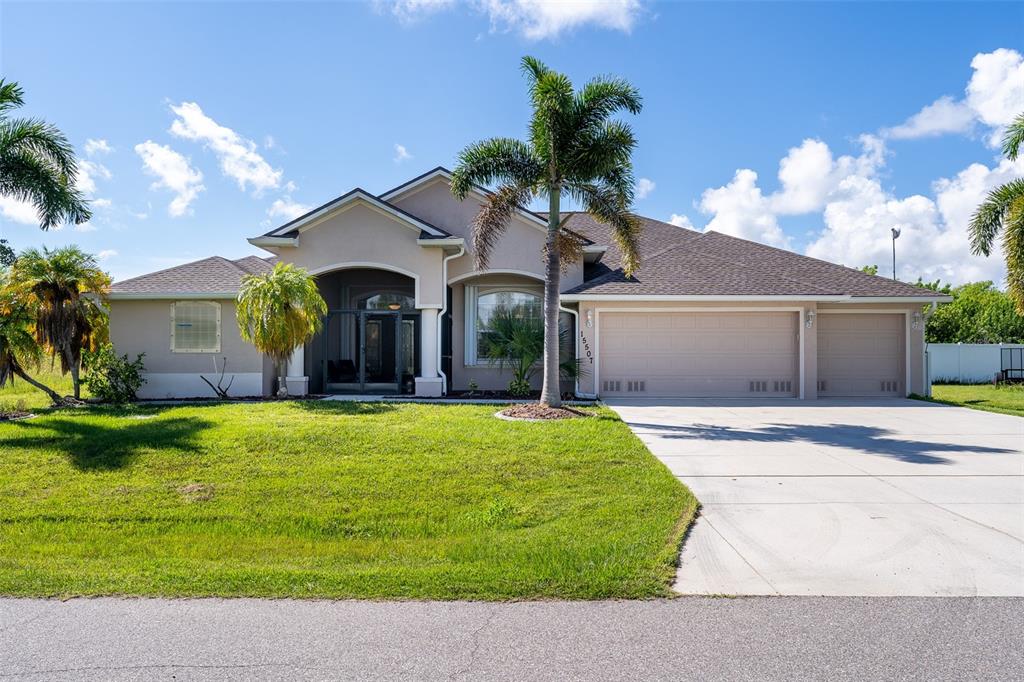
{"points": [[705, 315]]}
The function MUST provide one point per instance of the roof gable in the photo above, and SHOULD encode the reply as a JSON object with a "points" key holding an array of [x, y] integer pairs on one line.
{"points": [[210, 277]]}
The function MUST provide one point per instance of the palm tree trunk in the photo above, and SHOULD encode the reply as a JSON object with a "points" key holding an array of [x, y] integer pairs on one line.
{"points": [[73, 368], [551, 392], [54, 396]]}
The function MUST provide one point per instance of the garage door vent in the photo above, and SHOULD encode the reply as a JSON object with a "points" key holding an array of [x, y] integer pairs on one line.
{"points": [[784, 386], [636, 386], [612, 386], [890, 386], [758, 386]]}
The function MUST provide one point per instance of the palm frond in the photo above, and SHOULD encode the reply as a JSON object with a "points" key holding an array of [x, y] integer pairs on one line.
{"points": [[1013, 249], [11, 96], [606, 151], [493, 218], [499, 159], [989, 217], [26, 176], [606, 205], [42, 140], [1013, 137]]}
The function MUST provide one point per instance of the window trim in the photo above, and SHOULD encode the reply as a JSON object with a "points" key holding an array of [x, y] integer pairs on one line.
{"points": [[472, 294], [217, 308]]}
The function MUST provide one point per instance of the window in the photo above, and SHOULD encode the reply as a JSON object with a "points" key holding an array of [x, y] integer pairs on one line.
{"points": [[481, 305], [195, 327], [388, 301]]}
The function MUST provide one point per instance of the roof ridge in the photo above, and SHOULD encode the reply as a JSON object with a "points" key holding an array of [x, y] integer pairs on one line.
{"points": [[167, 269], [748, 265]]}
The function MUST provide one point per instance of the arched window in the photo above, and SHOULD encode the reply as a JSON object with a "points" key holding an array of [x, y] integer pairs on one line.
{"points": [[388, 301], [481, 306]]}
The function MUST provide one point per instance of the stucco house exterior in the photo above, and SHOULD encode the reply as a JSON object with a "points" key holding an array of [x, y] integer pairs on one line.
{"points": [[706, 315]]}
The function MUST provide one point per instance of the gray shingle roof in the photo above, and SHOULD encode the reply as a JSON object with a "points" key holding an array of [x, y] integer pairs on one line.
{"points": [[676, 261], [214, 275]]}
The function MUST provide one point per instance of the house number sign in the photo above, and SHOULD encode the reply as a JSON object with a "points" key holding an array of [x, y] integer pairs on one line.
{"points": [[586, 348]]}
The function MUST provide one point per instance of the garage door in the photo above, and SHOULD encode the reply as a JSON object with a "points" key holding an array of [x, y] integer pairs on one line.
{"points": [[861, 355], [698, 354]]}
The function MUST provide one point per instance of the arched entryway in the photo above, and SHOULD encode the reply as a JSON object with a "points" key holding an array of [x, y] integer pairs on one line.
{"points": [[370, 341]]}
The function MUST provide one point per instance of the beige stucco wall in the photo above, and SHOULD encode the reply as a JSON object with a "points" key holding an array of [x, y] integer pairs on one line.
{"points": [[363, 236], [589, 345], [520, 248]]}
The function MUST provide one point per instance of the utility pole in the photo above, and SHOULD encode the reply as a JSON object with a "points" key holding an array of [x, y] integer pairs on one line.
{"points": [[895, 235]]}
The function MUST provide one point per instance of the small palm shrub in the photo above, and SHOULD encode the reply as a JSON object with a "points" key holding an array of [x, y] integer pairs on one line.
{"points": [[514, 339], [112, 378]]}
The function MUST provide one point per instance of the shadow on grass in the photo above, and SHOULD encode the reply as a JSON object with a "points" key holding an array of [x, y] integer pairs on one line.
{"points": [[867, 439], [100, 447]]}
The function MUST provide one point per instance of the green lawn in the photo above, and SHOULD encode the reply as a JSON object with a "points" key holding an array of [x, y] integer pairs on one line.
{"points": [[1005, 399], [315, 499]]}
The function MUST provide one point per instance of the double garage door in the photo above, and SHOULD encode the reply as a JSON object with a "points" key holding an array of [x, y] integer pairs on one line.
{"points": [[745, 354]]}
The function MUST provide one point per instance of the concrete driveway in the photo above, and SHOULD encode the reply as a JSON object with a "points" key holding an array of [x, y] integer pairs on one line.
{"points": [[844, 497]]}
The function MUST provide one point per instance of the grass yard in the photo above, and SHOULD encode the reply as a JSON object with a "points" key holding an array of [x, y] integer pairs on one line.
{"points": [[331, 499], [1005, 399], [20, 393]]}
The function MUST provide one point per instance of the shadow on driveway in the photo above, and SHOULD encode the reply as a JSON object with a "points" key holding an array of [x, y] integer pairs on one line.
{"points": [[868, 439]]}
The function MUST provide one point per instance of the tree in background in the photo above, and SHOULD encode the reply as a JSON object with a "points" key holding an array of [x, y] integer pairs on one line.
{"points": [[6, 254], [65, 290], [19, 351], [979, 313], [1003, 212], [278, 312], [574, 148], [37, 165]]}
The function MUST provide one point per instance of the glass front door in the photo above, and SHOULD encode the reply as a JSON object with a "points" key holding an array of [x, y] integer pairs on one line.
{"points": [[369, 351]]}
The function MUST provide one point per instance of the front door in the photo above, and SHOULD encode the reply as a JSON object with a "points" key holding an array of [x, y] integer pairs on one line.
{"points": [[369, 351]]}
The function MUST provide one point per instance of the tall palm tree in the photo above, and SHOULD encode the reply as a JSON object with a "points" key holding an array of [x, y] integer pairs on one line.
{"points": [[278, 312], [1003, 211], [37, 164], [67, 293], [18, 348], [574, 147]]}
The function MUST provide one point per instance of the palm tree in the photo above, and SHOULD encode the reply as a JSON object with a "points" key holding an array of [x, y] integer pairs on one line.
{"points": [[18, 347], [575, 148], [1003, 211], [37, 165], [516, 339], [66, 291], [278, 312]]}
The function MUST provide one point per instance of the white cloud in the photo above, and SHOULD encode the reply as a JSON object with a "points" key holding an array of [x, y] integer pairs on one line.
{"points": [[401, 153], [93, 147], [101, 203], [680, 220], [19, 211], [106, 254], [644, 187], [173, 172], [808, 173], [237, 155], [87, 226], [993, 96], [287, 209], [533, 19], [942, 116], [741, 210], [88, 172]]}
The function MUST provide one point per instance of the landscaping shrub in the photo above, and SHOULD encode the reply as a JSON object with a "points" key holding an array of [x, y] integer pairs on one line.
{"points": [[110, 378]]}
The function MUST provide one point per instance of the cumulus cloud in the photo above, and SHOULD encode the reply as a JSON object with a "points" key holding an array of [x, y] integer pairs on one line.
{"points": [[19, 211], [94, 147], [401, 153], [680, 220], [287, 209], [106, 254], [993, 96], [88, 172], [173, 172], [533, 19], [740, 209], [238, 157], [644, 187]]}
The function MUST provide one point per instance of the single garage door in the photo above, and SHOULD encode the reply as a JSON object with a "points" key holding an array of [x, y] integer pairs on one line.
{"points": [[861, 354], [698, 354]]}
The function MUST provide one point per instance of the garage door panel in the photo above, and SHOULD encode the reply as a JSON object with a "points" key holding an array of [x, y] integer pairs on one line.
{"points": [[699, 354], [861, 354]]}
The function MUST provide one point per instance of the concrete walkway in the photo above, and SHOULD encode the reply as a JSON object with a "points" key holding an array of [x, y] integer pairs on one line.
{"points": [[834, 497], [688, 638]]}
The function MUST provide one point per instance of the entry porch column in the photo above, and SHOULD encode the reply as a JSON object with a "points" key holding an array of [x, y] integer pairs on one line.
{"points": [[296, 379], [429, 383]]}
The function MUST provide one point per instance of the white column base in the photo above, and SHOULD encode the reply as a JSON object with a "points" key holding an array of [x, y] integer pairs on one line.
{"points": [[297, 386], [429, 387]]}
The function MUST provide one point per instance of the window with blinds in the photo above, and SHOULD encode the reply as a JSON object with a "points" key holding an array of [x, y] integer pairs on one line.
{"points": [[195, 327]]}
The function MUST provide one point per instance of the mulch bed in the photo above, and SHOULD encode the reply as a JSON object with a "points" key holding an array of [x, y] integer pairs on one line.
{"points": [[538, 412]]}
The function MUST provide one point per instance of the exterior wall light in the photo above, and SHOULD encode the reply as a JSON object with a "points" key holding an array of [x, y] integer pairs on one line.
{"points": [[918, 321], [809, 322], [590, 318]]}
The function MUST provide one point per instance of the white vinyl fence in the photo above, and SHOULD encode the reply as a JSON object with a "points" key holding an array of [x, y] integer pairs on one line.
{"points": [[966, 363]]}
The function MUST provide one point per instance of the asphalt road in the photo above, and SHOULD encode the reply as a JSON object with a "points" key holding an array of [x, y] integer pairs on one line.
{"points": [[756, 638]]}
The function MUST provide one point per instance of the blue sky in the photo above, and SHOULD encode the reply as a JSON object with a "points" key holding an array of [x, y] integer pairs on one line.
{"points": [[284, 105]]}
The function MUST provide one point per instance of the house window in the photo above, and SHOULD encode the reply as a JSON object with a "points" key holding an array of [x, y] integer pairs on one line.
{"points": [[195, 327], [483, 304], [388, 301]]}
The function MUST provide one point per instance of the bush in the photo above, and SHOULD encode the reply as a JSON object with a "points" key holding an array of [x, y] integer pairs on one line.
{"points": [[110, 378], [519, 388]]}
